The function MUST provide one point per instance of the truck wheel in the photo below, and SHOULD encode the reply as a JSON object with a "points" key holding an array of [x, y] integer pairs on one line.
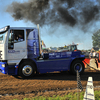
{"points": [[77, 65], [26, 70]]}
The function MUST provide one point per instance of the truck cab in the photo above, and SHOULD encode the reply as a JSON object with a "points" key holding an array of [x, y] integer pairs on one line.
{"points": [[14, 46], [20, 54]]}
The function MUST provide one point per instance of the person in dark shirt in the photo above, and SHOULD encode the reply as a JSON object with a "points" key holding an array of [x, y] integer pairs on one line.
{"points": [[20, 37]]}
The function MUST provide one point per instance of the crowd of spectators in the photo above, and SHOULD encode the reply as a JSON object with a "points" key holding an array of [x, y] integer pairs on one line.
{"points": [[94, 54]]}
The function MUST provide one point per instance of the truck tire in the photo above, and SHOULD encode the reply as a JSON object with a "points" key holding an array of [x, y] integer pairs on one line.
{"points": [[77, 65], [26, 69]]}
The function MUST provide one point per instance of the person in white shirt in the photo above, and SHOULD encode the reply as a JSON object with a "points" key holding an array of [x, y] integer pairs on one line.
{"points": [[91, 55], [94, 54]]}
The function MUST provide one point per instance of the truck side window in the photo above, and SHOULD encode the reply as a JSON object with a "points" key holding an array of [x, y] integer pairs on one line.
{"points": [[15, 36]]}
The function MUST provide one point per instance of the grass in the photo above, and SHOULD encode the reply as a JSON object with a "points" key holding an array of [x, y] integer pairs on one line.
{"points": [[69, 96]]}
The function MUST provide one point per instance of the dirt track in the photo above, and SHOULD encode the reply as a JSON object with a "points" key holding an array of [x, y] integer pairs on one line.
{"points": [[19, 88]]}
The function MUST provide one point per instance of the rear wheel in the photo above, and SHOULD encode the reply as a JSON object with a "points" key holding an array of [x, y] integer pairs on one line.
{"points": [[77, 65], [26, 69]]}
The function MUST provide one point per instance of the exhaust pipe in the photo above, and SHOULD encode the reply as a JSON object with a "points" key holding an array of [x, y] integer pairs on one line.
{"points": [[39, 40]]}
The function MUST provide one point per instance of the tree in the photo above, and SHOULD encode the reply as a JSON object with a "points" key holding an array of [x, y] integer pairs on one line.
{"points": [[96, 39]]}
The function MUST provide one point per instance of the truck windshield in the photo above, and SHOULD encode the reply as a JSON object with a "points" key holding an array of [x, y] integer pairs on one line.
{"points": [[2, 37], [71, 47], [3, 32]]}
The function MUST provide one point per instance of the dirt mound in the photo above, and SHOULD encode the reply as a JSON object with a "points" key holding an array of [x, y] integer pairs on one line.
{"points": [[45, 84]]}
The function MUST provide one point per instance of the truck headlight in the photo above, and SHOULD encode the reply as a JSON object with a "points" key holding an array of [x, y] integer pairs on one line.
{"points": [[3, 65]]}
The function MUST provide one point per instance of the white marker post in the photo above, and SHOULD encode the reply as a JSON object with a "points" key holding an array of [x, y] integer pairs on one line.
{"points": [[89, 93]]}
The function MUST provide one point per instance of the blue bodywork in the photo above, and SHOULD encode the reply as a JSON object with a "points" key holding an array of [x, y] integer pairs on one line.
{"points": [[3, 69], [57, 61], [10, 70], [53, 65]]}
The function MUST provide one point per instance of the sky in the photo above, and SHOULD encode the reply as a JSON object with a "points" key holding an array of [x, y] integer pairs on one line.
{"points": [[56, 34]]}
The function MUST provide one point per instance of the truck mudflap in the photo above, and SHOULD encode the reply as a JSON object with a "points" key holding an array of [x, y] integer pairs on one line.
{"points": [[8, 69], [12, 69]]}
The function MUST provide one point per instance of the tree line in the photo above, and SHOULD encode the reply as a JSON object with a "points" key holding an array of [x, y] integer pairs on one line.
{"points": [[96, 39]]}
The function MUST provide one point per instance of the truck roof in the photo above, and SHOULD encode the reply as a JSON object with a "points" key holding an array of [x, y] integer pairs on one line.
{"points": [[4, 29], [23, 28], [8, 26]]}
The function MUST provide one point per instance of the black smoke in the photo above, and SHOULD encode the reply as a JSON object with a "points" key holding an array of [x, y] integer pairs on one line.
{"points": [[48, 12]]}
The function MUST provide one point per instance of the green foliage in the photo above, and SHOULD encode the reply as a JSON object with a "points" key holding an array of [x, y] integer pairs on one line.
{"points": [[69, 96], [97, 95], [15, 99], [96, 39], [26, 99]]}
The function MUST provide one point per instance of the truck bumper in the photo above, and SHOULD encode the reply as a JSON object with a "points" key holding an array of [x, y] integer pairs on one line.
{"points": [[8, 69]]}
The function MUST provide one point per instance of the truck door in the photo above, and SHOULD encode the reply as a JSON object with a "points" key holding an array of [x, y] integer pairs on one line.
{"points": [[16, 44]]}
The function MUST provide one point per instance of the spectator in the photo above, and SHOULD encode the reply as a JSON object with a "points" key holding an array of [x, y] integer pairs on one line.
{"points": [[91, 55], [97, 54], [94, 54]]}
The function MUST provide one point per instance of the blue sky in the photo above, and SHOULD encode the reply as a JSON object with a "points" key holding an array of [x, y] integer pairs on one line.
{"points": [[52, 36]]}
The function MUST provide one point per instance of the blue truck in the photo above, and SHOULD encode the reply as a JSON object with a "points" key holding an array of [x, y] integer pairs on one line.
{"points": [[21, 54]]}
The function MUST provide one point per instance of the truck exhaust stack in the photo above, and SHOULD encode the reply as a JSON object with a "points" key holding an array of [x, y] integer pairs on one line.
{"points": [[39, 39]]}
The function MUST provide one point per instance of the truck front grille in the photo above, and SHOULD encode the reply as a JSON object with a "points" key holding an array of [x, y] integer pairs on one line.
{"points": [[0, 55]]}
